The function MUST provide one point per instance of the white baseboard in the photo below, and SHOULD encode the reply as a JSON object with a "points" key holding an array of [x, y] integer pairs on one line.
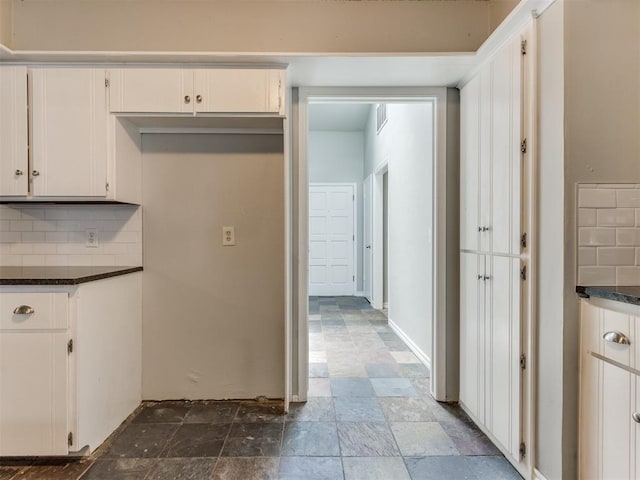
{"points": [[385, 305], [537, 475], [359, 294], [414, 348]]}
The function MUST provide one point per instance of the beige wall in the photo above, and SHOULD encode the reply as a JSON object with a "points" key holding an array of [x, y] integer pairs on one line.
{"points": [[498, 11], [6, 15], [213, 315], [251, 26]]}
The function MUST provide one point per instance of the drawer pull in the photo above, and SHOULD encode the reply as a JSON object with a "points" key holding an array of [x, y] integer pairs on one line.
{"points": [[616, 337], [636, 417], [24, 310]]}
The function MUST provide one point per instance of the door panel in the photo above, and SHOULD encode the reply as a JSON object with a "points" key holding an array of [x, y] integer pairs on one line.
{"points": [[470, 164], [367, 251], [13, 131], [151, 90], [331, 240], [484, 197]]}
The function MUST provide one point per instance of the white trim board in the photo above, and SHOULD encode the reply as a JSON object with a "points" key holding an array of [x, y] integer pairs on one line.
{"points": [[537, 475], [423, 357]]}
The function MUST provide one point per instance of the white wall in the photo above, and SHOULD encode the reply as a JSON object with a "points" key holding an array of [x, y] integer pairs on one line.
{"points": [[213, 315], [250, 26], [55, 235], [6, 17], [339, 157], [407, 142]]}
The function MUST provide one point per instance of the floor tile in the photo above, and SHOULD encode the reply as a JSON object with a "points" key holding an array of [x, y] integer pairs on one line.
{"points": [[413, 370], [342, 369], [311, 468], [316, 409], [351, 387], [318, 370], [142, 440], [393, 387], [319, 387], [259, 412], [197, 440], [253, 440], [376, 356], [317, 357], [492, 468], [468, 439], [375, 468], [411, 409], [182, 469], [382, 370], [212, 412], [366, 440], [246, 469], [404, 357], [162, 412], [420, 439], [71, 470], [317, 439], [120, 469], [358, 409], [438, 468]]}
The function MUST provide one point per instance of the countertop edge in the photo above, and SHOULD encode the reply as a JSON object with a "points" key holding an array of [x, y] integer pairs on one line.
{"points": [[69, 281], [608, 293]]}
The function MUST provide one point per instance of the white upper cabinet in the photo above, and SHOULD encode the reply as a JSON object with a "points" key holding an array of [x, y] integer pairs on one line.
{"points": [[491, 130], [14, 161], [69, 132], [151, 90], [197, 91]]}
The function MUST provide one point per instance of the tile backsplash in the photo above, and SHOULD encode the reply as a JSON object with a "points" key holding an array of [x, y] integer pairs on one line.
{"points": [[609, 234], [55, 235]]}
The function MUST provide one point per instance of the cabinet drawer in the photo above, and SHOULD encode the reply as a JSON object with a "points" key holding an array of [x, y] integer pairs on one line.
{"points": [[617, 326], [48, 311]]}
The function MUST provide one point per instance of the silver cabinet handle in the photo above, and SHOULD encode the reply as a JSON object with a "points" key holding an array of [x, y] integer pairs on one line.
{"points": [[19, 172], [24, 310], [616, 337], [199, 98], [187, 99], [368, 246], [480, 277], [35, 173], [487, 277], [636, 417]]}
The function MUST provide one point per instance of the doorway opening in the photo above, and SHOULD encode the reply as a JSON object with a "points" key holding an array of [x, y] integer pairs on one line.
{"points": [[396, 211]]}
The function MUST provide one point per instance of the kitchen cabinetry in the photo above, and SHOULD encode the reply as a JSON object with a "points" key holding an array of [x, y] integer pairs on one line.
{"points": [[197, 91], [69, 132], [70, 364], [14, 161], [493, 263], [609, 391]]}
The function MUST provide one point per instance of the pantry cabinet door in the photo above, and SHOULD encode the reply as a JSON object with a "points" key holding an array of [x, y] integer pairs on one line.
{"points": [[151, 90], [469, 164], [239, 90], [13, 132], [69, 147], [33, 393], [472, 327]]}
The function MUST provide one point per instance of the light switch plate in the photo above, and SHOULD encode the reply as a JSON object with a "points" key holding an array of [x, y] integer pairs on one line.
{"points": [[92, 237], [228, 236]]}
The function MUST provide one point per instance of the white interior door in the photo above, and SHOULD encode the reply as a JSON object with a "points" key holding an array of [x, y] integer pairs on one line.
{"points": [[331, 239], [367, 222]]}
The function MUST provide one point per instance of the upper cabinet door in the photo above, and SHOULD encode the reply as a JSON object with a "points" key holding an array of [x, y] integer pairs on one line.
{"points": [[69, 148], [239, 90], [470, 164], [151, 90], [14, 162]]}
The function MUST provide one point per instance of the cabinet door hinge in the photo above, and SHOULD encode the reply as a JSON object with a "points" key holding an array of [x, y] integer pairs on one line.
{"points": [[70, 346], [523, 240], [523, 361], [523, 47], [523, 273], [523, 146], [70, 439], [523, 450], [106, 82]]}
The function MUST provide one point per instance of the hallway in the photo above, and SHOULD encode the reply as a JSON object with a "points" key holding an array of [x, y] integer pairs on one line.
{"points": [[369, 417]]}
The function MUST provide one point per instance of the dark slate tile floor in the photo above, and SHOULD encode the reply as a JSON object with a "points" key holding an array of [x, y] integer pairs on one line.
{"points": [[369, 417]]}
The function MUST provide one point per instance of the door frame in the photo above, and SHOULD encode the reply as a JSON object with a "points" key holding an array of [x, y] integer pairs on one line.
{"points": [[298, 381], [367, 221], [354, 189], [377, 239]]}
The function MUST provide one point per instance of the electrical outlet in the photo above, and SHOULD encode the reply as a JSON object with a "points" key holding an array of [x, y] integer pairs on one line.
{"points": [[228, 235], [92, 237]]}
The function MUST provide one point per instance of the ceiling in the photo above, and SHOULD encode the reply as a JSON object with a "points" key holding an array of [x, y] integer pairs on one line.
{"points": [[341, 117]]}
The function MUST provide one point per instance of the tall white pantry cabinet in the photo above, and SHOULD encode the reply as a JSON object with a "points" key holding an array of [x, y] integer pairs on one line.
{"points": [[493, 243]]}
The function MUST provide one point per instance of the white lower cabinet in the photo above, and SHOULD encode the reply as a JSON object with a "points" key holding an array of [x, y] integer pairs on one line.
{"points": [[609, 394], [70, 364]]}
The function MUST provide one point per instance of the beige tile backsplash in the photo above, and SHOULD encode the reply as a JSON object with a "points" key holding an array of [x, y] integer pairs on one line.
{"points": [[48, 235], [609, 234]]}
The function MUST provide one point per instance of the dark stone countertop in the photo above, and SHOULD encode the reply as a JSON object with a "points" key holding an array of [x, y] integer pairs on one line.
{"points": [[629, 294], [59, 275]]}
